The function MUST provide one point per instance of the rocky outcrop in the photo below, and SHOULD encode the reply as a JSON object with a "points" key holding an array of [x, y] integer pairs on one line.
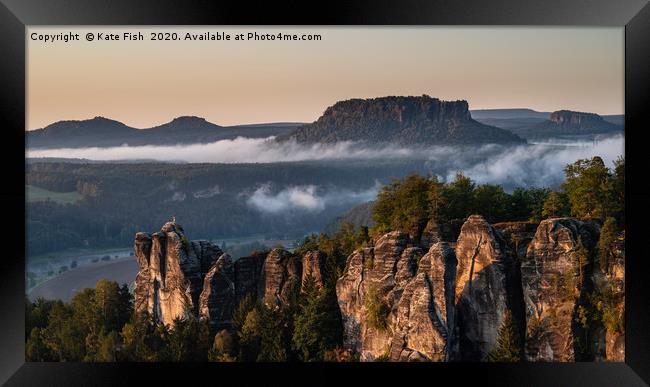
{"points": [[218, 299], [178, 277], [614, 276], [517, 235], [313, 262], [486, 286], [281, 273], [400, 120], [248, 271], [436, 231], [569, 118], [370, 278], [439, 266], [447, 305], [402, 302], [172, 270], [551, 287], [406, 286]]}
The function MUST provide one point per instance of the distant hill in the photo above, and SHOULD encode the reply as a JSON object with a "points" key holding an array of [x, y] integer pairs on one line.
{"points": [[522, 117], [618, 119], [98, 131], [567, 123], [104, 132], [359, 215], [400, 120], [511, 123], [481, 114]]}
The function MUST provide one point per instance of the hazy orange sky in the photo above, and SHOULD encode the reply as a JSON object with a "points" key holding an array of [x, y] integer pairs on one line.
{"points": [[146, 83]]}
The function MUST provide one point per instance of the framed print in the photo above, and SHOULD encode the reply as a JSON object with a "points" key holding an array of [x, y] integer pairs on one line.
{"points": [[268, 190]]}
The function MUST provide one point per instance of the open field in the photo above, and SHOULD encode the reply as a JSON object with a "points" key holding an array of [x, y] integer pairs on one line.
{"points": [[66, 285], [36, 194]]}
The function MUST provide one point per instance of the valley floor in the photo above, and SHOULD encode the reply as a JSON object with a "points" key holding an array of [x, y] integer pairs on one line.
{"points": [[67, 284]]}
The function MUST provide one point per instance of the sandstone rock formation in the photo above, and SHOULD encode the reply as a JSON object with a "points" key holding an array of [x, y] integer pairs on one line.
{"points": [[436, 231], [568, 117], [413, 325], [218, 299], [486, 286], [437, 271], [178, 277], [313, 262], [447, 305], [280, 273], [517, 234], [402, 302], [551, 287], [172, 271], [614, 276], [248, 271]]}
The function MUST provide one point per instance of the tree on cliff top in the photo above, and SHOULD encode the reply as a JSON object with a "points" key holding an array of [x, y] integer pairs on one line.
{"points": [[406, 205], [589, 185], [457, 198], [556, 205]]}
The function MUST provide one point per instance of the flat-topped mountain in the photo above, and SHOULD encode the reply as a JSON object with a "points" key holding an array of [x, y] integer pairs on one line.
{"points": [[400, 120], [568, 123], [104, 132], [568, 118]]}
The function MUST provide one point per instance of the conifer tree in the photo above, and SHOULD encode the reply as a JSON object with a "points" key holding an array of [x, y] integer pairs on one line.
{"points": [[606, 242], [580, 260], [508, 348]]}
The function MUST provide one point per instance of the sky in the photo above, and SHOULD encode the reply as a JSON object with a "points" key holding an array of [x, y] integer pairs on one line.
{"points": [[147, 83]]}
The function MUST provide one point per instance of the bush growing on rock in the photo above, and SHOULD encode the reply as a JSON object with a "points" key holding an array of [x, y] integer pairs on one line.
{"points": [[376, 310], [223, 347], [606, 243]]}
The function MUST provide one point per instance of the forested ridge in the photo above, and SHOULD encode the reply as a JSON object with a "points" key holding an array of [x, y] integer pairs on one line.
{"points": [[210, 199]]}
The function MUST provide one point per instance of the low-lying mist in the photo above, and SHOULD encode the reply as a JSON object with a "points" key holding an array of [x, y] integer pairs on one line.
{"points": [[310, 198], [536, 164]]}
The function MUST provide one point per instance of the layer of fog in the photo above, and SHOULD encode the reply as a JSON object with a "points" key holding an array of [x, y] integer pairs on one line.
{"points": [[310, 198], [238, 150], [536, 164]]}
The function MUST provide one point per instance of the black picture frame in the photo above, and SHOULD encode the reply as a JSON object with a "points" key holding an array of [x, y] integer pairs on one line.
{"points": [[634, 15]]}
